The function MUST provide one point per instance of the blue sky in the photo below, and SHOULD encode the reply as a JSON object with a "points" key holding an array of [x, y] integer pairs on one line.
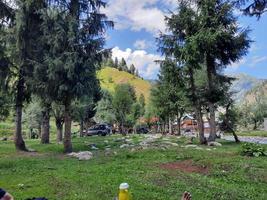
{"points": [[138, 22]]}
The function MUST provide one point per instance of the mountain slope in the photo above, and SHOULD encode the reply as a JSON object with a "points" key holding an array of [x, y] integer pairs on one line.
{"points": [[258, 91], [243, 84], [110, 77]]}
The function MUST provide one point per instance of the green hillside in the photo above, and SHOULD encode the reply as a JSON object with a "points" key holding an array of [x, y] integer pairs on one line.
{"points": [[110, 77]]}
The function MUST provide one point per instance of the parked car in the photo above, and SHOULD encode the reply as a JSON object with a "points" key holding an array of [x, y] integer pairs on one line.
{"points": [[142, 130], [99, 129]]}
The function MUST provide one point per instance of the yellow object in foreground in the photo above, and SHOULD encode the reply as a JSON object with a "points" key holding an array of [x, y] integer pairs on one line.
{"points": [[124, 193]]}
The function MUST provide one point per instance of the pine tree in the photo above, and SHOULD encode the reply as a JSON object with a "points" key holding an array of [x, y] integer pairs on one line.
{"points": [[208, 40], [116, 63], [74, 51], [123, 65], [220, 43], [132, 69], [26, 34]]}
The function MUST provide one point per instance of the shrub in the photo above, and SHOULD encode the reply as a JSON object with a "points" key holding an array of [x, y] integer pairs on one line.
{"points": [[254, 150]]}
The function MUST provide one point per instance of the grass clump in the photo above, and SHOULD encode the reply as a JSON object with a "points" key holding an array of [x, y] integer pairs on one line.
{"points": [[254, 150]]}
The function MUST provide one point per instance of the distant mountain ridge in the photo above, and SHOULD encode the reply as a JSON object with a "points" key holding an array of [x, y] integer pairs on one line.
{"points": [[245, 85]]}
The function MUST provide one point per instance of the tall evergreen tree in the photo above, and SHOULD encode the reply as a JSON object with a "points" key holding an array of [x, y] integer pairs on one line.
{"points": [[132, 69], [116, 63], [210, 38], [26, 33], [123, 65], [221, 43], [176, 47], [74, 35]]}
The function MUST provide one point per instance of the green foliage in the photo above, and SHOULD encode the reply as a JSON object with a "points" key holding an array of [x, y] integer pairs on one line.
{"points": [[105, 112], [142, 103], [33, 114], [5, 105], [123, 100], [123, 65], [169, 97], [251, 149], [132, 69], [253, 113]]}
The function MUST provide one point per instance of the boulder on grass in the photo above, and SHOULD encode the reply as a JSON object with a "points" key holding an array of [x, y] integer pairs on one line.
{"points": [[215, 144], [82, 155]]}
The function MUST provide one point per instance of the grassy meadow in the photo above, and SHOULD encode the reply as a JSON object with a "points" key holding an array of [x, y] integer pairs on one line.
{"points": [[159, 172]]}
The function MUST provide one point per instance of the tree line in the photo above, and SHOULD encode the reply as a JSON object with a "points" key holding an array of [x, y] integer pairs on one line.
{"points": [[51, 49], [120, 65], [202, 40]]}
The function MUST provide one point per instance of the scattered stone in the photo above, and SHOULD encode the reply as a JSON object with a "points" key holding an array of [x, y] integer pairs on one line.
{"points": [[208, 149], [190, 146], [82, 155], [21, 185], [199, 148], [128, 140], [31, 150], [124, 146], [93, 146], [216, 144], [119, 140], [171, 143], [109, 153]]}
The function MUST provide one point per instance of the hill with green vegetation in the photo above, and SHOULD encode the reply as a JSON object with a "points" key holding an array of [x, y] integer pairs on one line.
{"points": [[110, 77]]}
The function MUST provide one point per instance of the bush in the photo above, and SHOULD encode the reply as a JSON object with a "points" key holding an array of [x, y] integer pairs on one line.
{"points": [[254, 150]]}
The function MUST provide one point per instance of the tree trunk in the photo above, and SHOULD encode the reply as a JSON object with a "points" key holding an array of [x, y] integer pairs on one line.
{"points": [[81, 128], [212, 123], [45, 127], [67, 134], [178, 125], [210, 73], [197, 108], [200, 125], [18, 140], [59, 126], [170, 126], [255, 125]]}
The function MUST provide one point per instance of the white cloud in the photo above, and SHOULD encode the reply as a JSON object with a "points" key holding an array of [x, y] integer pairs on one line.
{"points": [[136, 15], [236, 65], [142, 44], [257, 59], [143, 61]]}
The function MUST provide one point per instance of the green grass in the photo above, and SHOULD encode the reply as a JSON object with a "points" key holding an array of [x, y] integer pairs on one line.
{"points": [[253, 133], [110, 77], [7, 128], [54, 175]]}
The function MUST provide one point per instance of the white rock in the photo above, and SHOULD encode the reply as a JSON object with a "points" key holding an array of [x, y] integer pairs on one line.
{"points": [[124, 146], [216, 144], [171, 143], [82, 155], [190, 146]]}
